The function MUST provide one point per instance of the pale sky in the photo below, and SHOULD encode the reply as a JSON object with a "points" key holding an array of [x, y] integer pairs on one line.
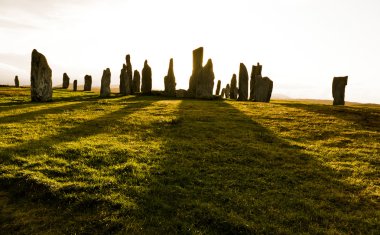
{"points": [[302, 44]]}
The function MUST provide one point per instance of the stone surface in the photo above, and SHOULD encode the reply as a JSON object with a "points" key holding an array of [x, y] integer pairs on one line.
{"points": [[105, 89], [223, 94], [263, 89], [136, 81], [125, 86], [338, 90], [205, 83], [40, 78], [169, 81], [75, 85], [17, 82], [256, 70], [129, 75], [233, 93], [181, 93], [243, 83], [146, 86], [228, 91], [218, 87], [197, 70], [87, 83], [65, 81]]}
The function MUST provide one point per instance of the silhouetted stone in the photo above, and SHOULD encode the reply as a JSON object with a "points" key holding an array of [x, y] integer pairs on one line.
{"points": [[338, 89], [223, 94], [125, 87], [218, 87], [87, 83], [146, 80], [17, 82], [105, 89], [75, 85], [233, 93], [169, 81], [263, 89], [228, 91], [243, 83], [181, 93], [136, 81], [205, 84], [66, 81], [256, 70], [129, 75], [40, 78], [197, 70]]}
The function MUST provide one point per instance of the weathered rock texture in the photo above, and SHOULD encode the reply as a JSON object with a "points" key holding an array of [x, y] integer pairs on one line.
{"points": [[129, 75], [205, 84], [338, 89], [233, 93], [263, 89], [228, 91], [243, 83], [197, 70], [136, 81], [223, 93], [75, 85], [169, 81], [105, 89], [125, 86], [256, 70], [218, 87], [40, 78], [17, 82], [146, 86], [65, 81], [87, 83]]}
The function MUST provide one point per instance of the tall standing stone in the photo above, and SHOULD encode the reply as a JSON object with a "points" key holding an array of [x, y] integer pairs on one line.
{"points": [[338, 89], [256, 70], [136, 81], [105, 89], [87, 83], [263, 89], [40, 78], [169, 81], [65, 81], [218, 87], [129, 75], [205, 83], [197, 70], [17, 82], [228, 91], [233, 93], [75, 85], [146, 86], [243, 83], [125, 85]]}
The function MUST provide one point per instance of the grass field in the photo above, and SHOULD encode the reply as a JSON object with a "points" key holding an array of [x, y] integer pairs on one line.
{"points": [[143, 165]]}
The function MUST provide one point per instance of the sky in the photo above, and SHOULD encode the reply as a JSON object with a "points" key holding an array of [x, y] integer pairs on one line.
{"points": [[302, 44]]}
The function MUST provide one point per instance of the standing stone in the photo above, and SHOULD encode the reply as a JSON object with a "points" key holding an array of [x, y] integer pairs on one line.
{"points": [[136, 81], [233, 93], [338, 89], [169, 81], [40, 78], [75, 85], [228, 91], [17, 82], [223, 93], [205, 83], [243, 83], [197, 70], [66, 81], [263, 89], [146, 86], [129, 75], [218, 87], [125, 86], [105, 90], [87, 83], [256, 70]]}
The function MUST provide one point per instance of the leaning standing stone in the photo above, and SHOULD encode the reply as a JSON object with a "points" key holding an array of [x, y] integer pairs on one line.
{"points": [[205, 85], [243, 83], [66, 81], [87, 83], [218, 87], [256, 70], [197, 70], [75, 85], [146, 86], [40, 78], [338, 89], [233, 93], [169, 81], [17, 82], [136, 81], [105, 89], [263, 89]]}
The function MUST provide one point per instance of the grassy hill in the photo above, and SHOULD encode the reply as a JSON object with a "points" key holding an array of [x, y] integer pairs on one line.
{"points": [[143, 165]]}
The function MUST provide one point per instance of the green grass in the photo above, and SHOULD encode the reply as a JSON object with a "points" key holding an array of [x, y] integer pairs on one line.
{"points": [[143, 165]]}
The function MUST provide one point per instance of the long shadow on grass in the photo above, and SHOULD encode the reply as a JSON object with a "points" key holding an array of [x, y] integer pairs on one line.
{"points": [[224, 173]]}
